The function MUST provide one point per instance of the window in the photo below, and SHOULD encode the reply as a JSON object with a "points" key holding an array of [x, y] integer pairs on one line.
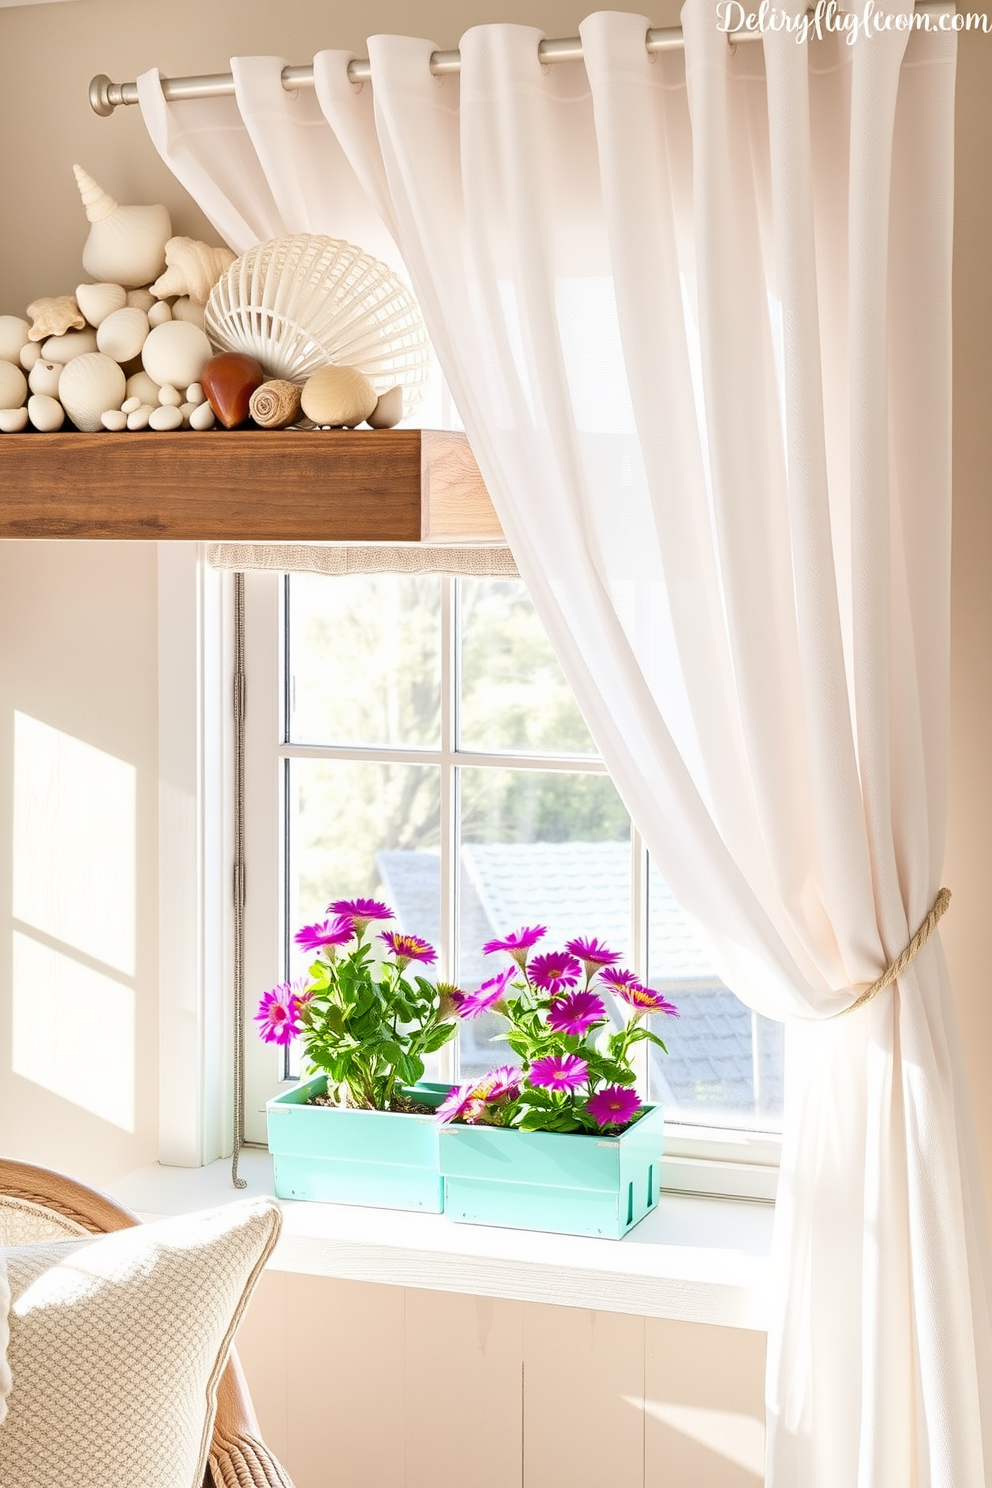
{"points": [[413, 738]]}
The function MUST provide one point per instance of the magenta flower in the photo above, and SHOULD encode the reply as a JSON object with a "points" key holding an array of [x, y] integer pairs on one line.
{"points": [[592, 953], [279, 1011], [517, 943], [614, 1105], [331, 933], [619, 981], [575, 1012], [555, 970], [461, 1104], [558, 1072], [471, 1004], [362, 911], [500, 1084], [407, 948]]}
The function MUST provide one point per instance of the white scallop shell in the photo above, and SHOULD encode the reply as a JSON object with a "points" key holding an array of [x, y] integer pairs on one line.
{"points": [[97, 301], [89, 385], [306, 302], [122, 335]]}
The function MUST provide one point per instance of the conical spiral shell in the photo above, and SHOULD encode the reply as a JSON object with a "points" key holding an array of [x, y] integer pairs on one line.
{"points": [[302, 303], [98, 203], [126, 244]]}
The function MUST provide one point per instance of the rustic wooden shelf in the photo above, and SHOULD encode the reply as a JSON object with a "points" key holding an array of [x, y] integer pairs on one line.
{"points": [[334, 485]]}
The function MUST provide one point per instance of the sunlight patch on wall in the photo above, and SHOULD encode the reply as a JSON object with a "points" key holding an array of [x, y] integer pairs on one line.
{"points": [[73, 1031], [731, 1434], [74, 843]]}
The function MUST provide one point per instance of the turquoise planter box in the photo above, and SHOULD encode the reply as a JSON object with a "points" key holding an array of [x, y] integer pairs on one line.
{"points": [[380, 1158], [573, 1185]]}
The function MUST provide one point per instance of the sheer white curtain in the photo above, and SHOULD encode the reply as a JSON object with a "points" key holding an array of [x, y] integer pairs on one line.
{"points": [[694, 312]]}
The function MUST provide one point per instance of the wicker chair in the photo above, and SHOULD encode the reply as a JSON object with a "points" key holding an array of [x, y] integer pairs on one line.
{"points": [[238, 1457]]}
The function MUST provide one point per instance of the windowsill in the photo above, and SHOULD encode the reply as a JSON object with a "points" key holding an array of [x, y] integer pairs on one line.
{"points": [[694, 1259]]}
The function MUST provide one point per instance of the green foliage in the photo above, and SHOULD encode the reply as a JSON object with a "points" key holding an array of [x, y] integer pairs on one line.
{"points": [[367, 1027]]}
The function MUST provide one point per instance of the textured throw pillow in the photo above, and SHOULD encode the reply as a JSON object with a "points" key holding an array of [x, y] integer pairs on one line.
{"points": [[117, 1344]]}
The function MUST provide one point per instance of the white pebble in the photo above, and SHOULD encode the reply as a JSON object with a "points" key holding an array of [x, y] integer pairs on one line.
{"points": [[13, 420], [169, 397], [114, 419], [166, 417], [47, 414], [159, 314], [44, 378], [195, 393], [30, 354], [139, 418], [202, 417], [131, 404], [187, 408]]}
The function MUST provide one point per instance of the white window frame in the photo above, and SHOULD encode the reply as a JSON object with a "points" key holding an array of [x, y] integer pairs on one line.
{"points": [[727, 1162]]}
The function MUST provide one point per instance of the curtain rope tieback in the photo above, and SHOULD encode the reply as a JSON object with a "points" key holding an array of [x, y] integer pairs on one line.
{"points": [[898, 966]]}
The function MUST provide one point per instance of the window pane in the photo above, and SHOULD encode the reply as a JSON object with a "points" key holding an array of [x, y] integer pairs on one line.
{"points": [[724, 1064], [538, 847], [513, 695], [354, 829], [365, 660]]}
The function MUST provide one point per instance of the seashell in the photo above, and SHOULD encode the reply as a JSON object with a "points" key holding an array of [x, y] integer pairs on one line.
{"points": [[139, 418], [159, 313], [45, 377], [388, 412], [229, 381], [187, 309], [340, 397], [123, 334], [13, 337], [13, 386], [306, 302], [72, 344], [175, 353], [202, 417], [115, 419], [140, 386], [46, 414], [141, 299], [125, 244], [165, 418], [54, 316], [30, 354], [13, 420], [275, 405], [193, 269], [89, 386], [97, 301]]}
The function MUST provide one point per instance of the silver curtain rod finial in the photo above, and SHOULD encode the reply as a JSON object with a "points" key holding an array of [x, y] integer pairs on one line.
{"points": [[100, 103]]}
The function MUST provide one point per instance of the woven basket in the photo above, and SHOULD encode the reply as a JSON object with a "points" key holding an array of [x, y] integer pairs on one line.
{"points": [[301, 303]]}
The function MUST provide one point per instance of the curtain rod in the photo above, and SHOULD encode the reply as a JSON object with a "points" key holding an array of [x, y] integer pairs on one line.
{"points": [[105, 96]]}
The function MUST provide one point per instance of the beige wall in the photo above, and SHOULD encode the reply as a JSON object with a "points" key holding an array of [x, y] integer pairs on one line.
{"points": [[79, 864]]}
